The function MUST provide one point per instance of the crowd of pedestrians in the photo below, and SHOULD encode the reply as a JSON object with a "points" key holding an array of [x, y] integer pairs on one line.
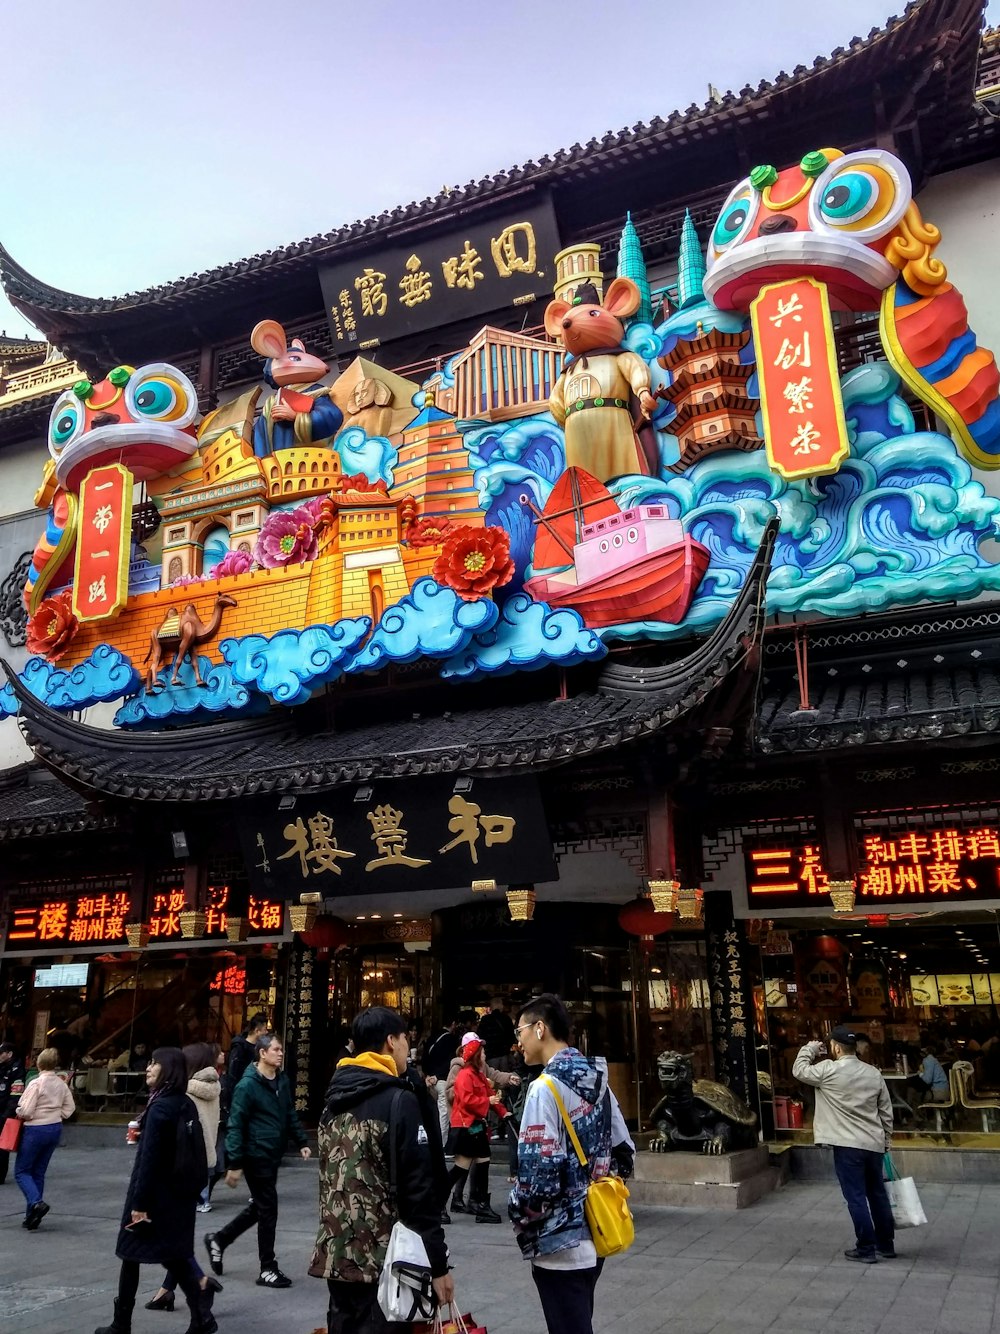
{"points": [[397, 1139]]}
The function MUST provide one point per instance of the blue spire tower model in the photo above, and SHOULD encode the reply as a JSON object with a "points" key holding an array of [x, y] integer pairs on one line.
{"points": [[632, 265], [690, 266]]}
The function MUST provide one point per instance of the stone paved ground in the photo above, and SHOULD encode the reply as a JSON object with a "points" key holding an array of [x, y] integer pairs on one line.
{"points": [[777, 1267]]}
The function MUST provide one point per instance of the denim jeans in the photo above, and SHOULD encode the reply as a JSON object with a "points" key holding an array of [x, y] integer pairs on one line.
{"points": [[859, 1172], [38, 1144]]}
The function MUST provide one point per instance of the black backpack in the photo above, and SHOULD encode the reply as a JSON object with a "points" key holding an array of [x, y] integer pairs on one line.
{"points": [[190, 1158]]}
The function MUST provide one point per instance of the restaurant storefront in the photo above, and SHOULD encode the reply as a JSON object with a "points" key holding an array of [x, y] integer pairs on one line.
{"points": [[909, 956]]}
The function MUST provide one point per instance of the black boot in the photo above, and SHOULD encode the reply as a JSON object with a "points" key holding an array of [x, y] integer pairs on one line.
{"points": [[457, 1177], [485, 1213], [202, 1319], [479, 1198], [122, 1322]]}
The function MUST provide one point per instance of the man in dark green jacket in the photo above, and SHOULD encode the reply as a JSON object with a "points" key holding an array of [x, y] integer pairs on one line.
{"points": [[262, 1119]]}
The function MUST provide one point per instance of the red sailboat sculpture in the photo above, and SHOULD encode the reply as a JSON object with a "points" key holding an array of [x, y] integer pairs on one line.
{"points": [[612, 566]]}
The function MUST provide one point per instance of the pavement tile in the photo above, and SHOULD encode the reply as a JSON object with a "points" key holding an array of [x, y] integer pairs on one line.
{"points": [[777, 1268]]}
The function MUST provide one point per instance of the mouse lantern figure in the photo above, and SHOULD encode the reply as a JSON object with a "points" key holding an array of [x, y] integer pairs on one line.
{"points": [[301, 411], [602, 398]]}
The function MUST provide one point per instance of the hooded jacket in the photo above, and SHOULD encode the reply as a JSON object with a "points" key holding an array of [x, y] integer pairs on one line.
{"points": [[261, 1121], [204, 1089], [546, 1204], [356, 1209]]}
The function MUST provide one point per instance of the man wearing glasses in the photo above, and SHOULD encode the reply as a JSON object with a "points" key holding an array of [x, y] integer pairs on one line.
{"points": [[547, 1203]]}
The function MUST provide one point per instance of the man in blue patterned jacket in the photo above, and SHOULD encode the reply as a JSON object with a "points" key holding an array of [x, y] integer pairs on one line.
{"points": [[547, 1204]]}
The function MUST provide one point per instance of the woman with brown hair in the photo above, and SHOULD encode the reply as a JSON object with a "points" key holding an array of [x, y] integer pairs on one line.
{"points": [[158, 1219], [44, 1105]]}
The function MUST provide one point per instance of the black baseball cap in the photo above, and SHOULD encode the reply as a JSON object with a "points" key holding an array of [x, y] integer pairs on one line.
{"points": [[846, 1035]]}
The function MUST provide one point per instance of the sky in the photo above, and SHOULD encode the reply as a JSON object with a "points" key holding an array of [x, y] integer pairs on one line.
{"points": [[147, 141]]}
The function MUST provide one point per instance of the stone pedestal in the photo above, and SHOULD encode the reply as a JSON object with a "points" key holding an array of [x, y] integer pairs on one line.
{"points": [[726, 1181]]}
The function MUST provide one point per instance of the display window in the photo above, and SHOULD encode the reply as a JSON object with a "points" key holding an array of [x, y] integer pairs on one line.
{"points": [[926, 995]]}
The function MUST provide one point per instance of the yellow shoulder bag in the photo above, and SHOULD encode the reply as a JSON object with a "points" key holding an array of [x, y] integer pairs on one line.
{"points": [[606, 1205]]}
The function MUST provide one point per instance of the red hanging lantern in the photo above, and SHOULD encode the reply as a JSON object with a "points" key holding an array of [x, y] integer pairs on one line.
{"points": [[329, 933], [640, 918]]}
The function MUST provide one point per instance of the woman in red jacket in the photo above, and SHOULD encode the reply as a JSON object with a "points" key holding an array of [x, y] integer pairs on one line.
{"points": [[469, 1140]]}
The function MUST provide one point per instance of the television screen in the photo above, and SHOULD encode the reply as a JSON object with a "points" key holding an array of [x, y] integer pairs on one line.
{"points": [[62, 975]]}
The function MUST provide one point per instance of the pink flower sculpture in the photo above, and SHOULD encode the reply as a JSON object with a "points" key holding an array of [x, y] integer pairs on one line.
{"points": [[288, 537], [233, 562], [183, 580]]}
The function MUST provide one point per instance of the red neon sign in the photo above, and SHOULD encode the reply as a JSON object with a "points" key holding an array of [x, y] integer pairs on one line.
{"points": [[80, 920]]}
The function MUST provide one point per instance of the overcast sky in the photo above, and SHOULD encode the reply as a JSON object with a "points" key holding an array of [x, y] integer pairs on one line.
{"points": [[147, 141]]}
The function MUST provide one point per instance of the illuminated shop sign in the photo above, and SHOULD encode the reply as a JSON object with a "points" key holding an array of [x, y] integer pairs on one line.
{"points": [[787, 877], [84, 919], [264, 916], [230, 981], [418, 284], [99, 918], [910, 866], [955, 988]]}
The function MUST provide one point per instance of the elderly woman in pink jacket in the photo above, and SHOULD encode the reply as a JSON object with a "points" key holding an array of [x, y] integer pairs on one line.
{"points": [[44, 1105]]}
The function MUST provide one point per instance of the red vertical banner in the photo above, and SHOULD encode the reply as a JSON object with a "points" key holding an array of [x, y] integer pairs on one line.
{"points": [[103, 543], [804, 427]]}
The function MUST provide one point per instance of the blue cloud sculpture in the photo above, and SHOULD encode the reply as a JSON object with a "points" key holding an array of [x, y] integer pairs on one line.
{"points": [[191, 703], [528, 635], [373, 455], [290, 665], [105, 675], [431, 621]]}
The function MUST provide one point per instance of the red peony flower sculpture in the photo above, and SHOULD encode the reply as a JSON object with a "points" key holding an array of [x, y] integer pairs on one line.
{"points": [[426, 532], [52, 627], [288, 537], [358, 481], [474, 561]]}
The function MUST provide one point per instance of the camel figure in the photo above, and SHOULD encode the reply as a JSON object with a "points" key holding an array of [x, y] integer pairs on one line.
{"points": [[180, 635]]}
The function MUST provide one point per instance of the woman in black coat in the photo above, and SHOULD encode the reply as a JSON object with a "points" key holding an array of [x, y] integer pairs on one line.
{"points": [[158, 1219]]}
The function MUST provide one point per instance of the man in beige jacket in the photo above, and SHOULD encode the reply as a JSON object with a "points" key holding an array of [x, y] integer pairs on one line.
{"points": [[853, 1116]]}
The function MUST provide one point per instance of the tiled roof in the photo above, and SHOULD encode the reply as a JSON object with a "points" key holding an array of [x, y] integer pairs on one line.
{"points": [[239, 760], [34, 804], [904, 707], [930, 675], [954, 24]]}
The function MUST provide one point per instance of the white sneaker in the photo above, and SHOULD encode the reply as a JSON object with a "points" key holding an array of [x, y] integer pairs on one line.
{"points": [[205, 1208]]}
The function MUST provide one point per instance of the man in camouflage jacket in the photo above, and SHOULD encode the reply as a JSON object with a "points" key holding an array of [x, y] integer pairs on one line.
{"points": [[356, 1208]]}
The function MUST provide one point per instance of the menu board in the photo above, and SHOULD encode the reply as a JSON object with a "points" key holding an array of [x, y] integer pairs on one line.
{"points": [[955, 988]]}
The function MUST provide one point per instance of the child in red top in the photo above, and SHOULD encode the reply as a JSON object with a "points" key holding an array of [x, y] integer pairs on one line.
{"points": [[469, 1140]]}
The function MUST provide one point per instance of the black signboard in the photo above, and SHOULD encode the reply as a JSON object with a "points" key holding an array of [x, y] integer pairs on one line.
{"points": [[382, 837], [488, 265], [731, 996]]}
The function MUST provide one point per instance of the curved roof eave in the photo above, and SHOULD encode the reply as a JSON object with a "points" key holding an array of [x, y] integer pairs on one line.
{"points": [[36, 299]]}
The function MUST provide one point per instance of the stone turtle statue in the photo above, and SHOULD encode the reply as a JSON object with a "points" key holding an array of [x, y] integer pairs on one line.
{"points": [[698, 1115]]}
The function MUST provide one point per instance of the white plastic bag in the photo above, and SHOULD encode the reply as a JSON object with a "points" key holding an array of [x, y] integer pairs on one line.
{"points": [[907, 1211], [405, 1287]]}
